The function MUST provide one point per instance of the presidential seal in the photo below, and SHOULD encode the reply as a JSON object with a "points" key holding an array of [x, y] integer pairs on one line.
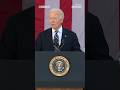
{"points": [[59, 66]]}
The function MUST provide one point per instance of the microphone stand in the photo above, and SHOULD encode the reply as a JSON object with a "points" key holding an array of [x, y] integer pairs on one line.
{"points": [[57, 49]]}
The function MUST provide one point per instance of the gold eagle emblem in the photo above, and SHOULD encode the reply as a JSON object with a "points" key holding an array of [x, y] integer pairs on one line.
{"points": [[59, 66]]}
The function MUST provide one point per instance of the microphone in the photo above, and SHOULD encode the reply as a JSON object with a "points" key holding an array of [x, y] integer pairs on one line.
{"points": [[57, 49], [62, 43]]}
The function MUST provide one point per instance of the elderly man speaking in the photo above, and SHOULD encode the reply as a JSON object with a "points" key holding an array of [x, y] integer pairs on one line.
{"points": [[57, 38]]}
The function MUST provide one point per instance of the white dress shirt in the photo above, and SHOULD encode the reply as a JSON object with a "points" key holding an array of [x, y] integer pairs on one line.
{"points": [[59, 34]]}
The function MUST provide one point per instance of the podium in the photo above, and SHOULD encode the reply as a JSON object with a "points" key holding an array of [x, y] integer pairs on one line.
{"points": [[74, 79]]}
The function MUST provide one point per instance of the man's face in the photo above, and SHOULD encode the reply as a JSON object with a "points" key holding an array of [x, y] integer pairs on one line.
{"points": [[54, 20]]}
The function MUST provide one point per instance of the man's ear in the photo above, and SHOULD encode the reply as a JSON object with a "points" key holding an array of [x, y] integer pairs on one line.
{"points": [[61, 20]]}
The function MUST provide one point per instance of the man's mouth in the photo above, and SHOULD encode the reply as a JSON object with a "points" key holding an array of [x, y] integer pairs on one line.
{"points": [[52, 24]]}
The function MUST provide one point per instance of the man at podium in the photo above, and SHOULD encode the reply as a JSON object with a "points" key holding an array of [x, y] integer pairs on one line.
{"points": [[57, 37]]}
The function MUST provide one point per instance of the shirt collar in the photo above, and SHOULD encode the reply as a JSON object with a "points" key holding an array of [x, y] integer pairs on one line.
{"points": [[59, 30]]}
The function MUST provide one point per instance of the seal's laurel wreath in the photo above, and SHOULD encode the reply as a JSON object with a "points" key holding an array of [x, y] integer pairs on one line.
{"points": [[59, 66]]}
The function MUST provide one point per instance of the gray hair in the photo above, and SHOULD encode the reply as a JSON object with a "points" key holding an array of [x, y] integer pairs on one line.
{"points": [[61, 13]]}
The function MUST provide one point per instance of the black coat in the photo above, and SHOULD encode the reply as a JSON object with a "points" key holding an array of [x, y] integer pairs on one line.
{"points": [[18, 43], [69, 41], [19, 37], [95, 44]]}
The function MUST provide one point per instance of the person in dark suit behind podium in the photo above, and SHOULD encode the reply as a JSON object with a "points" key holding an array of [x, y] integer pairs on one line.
{"points": [[57, 38], [18, 46], [18, 37]]}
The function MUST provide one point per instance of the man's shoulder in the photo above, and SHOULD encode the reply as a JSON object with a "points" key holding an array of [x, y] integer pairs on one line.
{"points": [[23, 16], [65, 30], [91, 19], [68, 31], [47, 31], [27, 12]]}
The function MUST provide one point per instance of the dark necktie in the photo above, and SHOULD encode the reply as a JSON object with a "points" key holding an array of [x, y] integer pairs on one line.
{"points": [[56, 39]]}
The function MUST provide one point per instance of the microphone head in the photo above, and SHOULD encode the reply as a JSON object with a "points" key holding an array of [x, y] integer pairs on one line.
{"points": [[62, 41], [65, 36]]}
